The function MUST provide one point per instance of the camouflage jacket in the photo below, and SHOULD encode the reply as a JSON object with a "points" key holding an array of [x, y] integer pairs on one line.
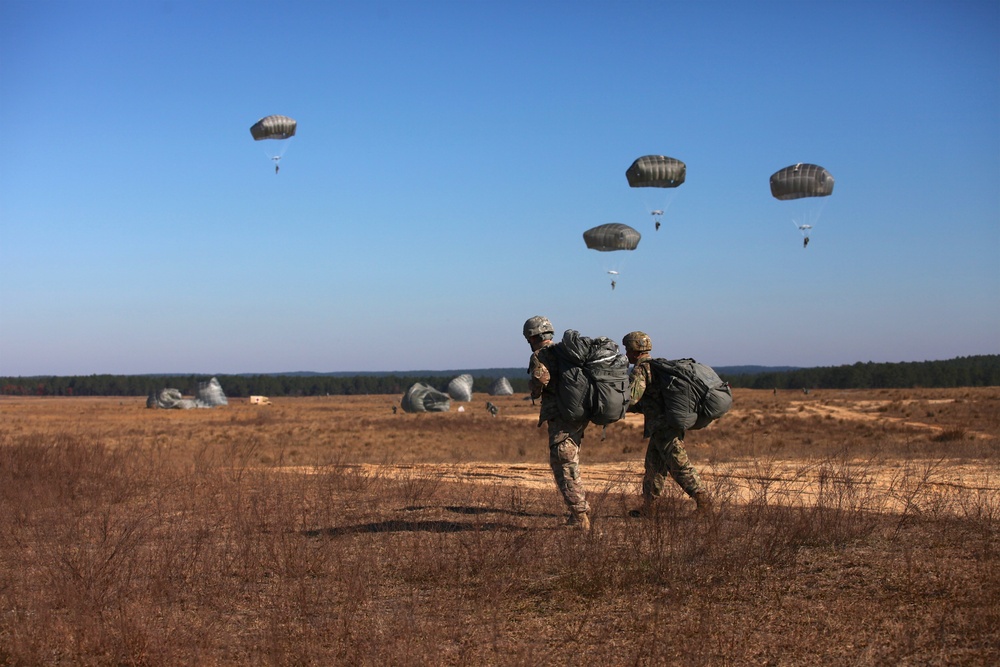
{"points": [[543, 369], [645, 397]]}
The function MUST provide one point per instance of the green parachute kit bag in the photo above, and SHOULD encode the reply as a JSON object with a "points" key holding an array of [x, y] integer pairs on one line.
{"points": [[694, 395], [593, 379]]}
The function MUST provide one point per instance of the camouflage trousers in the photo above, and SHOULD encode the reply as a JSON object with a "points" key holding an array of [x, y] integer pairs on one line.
{"points": [[564, 459], [665, 455]]}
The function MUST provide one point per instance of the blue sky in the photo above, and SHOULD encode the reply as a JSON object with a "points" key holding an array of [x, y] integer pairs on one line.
{"points": [[450, 155]]}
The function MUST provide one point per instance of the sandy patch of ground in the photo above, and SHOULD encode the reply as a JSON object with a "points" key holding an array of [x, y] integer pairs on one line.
{"points": [[892, 486]]}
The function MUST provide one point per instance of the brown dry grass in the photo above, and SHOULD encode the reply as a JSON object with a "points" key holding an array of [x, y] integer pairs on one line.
{"points": [[854, 528]]}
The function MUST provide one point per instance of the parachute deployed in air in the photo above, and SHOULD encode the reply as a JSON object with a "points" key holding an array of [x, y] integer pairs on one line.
{"points": [[657, 171], [275, 127], [501, 387], [803, 181], [612, 237], [423, 398], [209, 395], [460, 388]]}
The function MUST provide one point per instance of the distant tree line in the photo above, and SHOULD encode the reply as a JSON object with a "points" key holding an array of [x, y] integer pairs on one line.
{"points": [[235, 386], [974, 371]]}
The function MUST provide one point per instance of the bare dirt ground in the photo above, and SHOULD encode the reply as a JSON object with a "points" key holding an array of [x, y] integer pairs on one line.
{"points": [[853, 528], [782, 445], [777, 482], [798, 480]]}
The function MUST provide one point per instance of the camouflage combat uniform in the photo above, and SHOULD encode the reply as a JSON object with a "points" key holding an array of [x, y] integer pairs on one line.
{"points": [[565, 437], [665, 452]]}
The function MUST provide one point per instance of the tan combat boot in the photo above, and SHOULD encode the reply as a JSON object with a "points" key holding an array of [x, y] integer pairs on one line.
{"points": [[579, 521], [704, 502]]}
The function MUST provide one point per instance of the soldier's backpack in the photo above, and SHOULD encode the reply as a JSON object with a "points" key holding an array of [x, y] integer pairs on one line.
{"points": [[693, 394], [593, 379]]}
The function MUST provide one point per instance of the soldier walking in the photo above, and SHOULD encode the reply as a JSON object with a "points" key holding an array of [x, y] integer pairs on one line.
{"points": [[565, 436], [665, 453]]}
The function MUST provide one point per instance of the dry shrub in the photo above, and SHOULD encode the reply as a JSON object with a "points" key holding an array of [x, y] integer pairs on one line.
{"points": [[201, 539], [950, 435]]}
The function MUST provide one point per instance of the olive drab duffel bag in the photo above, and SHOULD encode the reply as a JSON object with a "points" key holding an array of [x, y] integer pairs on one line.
{"points": [[694, 395], [593, 379]]}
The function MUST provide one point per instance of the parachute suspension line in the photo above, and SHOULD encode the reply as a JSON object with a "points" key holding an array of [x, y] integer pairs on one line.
{"points": [[809, 215]]}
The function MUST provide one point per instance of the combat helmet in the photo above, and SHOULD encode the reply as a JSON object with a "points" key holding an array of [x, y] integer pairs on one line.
{"points": [[637, 341], [537, 325]]}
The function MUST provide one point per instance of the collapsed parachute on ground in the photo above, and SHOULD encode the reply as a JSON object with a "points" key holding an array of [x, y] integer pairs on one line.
{"points": [[423, 398], [209, 395], [274, 127], [166, 399], [501, 387], [460, 388], [656, 171], [611, 236], [801, 180]]}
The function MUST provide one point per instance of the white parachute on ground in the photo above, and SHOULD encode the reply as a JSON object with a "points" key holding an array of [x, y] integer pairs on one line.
{"points": [[209, 395], [166, 399], [460, 388], [423, 398], [501, 387]]}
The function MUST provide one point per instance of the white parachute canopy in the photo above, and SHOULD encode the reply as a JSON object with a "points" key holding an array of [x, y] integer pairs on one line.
{"points": [[209, 395], [423, 398], [460, 388], [501, 387], [167, 399]]}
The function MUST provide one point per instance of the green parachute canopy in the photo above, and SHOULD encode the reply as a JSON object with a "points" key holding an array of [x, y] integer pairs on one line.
{"points": [[273, 127], [801, 180], [656, 171], [611, 236]]}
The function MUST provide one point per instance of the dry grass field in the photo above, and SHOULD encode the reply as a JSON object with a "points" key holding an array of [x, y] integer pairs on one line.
{"points": [[852, 528]]}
